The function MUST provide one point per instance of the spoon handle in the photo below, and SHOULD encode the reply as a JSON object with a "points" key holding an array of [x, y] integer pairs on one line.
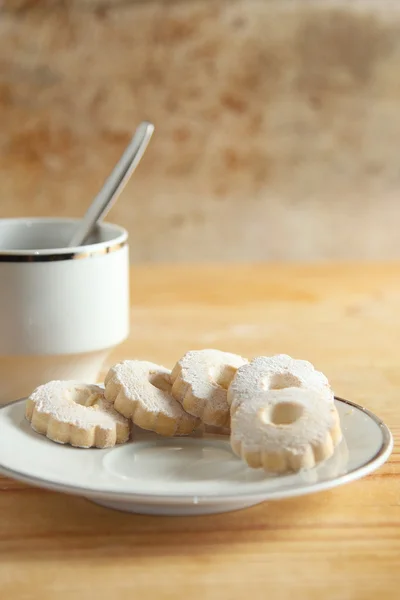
{"points": [[115, 183]]}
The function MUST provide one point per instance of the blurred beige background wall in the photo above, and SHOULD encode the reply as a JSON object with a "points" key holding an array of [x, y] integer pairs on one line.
{"points": [[277, 122]]}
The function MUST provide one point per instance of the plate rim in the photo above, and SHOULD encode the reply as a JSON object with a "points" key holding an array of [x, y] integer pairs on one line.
{"points": [[379, 458]]}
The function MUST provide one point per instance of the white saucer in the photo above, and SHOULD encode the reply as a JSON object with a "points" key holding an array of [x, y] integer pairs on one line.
{"points": [[181, 476]]}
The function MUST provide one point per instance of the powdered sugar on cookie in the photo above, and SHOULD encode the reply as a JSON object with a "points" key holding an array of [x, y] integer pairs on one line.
{"points": [[141, 391], [200, 382], [285, 430], [274, 373], [75, 413]]}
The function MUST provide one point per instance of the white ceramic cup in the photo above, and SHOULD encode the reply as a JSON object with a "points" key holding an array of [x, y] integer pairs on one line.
{"points": [[61, 309]]}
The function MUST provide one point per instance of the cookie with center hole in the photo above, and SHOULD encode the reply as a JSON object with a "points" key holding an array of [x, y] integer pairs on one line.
{"points": [[285, 430], [277, 372], [69, 412], [200, 382], [141, 391]]}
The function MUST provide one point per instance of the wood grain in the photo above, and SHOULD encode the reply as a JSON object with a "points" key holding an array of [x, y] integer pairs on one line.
{"points": [[343, 544]]}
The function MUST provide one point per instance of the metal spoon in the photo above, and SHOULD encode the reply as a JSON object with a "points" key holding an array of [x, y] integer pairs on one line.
{"points": [[115, 183]]}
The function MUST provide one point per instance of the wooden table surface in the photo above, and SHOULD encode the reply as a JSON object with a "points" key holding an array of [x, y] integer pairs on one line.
{"points": [[342, 544]]}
